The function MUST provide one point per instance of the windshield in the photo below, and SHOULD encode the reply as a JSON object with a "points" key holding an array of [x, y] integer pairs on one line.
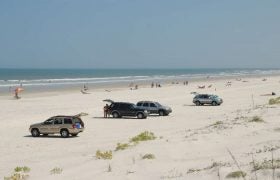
{"points": [[159, 105], [214, 96]]}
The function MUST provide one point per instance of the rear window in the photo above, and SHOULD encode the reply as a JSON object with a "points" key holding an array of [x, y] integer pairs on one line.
{"points": [[67, 121], [76, 120]]}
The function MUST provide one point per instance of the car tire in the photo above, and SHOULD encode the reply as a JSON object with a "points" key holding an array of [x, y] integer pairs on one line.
{"points": [[35, 132], [140, 116], [115, 115], [197, 103], [161, 113], [74, 134], [214, 103], [64, 133]]}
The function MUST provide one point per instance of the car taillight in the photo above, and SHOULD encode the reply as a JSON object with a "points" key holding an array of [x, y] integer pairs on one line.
{"points": [[74, 126]]}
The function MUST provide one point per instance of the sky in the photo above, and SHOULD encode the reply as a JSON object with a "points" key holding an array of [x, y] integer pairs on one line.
{"points": [[139, 34]]}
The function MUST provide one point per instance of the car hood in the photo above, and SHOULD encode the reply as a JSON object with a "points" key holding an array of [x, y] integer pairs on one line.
{"points": [[36, 124], [166, 107]]}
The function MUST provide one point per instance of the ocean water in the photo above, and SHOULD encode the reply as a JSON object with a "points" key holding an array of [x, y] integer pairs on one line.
{"points": [[55, 78]]}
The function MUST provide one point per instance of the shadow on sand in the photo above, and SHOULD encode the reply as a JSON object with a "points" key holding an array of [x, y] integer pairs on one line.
{"points": [[50, 136]]}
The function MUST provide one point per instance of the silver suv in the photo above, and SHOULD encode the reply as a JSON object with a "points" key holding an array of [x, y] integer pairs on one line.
{"points": [[63, 125], [154, 108], [202, 99]]}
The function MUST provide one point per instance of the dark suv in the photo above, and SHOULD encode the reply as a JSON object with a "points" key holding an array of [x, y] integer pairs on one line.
{"points": [[119, 109]]}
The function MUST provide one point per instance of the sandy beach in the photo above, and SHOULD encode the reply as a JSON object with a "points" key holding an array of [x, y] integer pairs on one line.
{"points": [[193, 142]]}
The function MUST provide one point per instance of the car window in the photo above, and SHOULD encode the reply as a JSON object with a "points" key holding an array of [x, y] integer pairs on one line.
{"points": [[58, 120], [158, 105], [113, 105], [146, 104], [153, 105], [139, 104], [125, 106], [67, 121], [49, 121]]}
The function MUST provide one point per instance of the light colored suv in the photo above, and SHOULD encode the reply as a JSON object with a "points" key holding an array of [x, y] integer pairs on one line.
{"points": [[63, 125], [202, 99], [154, 108]]}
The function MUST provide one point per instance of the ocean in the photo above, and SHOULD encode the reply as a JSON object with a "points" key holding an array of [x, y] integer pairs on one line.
{"points": [[35, 79]]}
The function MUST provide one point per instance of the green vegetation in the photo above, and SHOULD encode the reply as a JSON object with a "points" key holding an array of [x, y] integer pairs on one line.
{"points": [[56, 170], [273, 101], [212, 166], [20, 173], [104, 155], [236, 174], [24, 169], [121, 146], [266, 164], [144, 136], [256, 119], [148, 156], [217, 124]]}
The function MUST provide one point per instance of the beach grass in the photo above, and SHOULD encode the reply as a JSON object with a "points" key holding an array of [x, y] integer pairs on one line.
{"points": [[257, 119], [148, 156], [144, 136], [56, 170], [273, 101], [104, 155], [236, 174], [20, 173], [122, 146]]}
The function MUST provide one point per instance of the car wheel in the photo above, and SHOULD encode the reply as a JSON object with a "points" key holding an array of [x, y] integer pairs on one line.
{"points": [[140, 115], [214, 103], [161, 113], [35, 132], [64, 133], [197, 103], [115, 115], [74, 134]]}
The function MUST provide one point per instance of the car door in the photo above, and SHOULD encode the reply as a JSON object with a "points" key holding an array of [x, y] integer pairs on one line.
{"points": [[57, 125], [153, 108], [46, 126], [208, 99], [124, 109], [131, 110], [146, 106]]}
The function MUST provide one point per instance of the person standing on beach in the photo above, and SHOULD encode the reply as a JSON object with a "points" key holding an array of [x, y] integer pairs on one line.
{"points": [[106, 110]]}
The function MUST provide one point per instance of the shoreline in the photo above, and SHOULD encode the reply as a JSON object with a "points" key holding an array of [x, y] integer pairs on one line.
{"points": [[46, 91]]}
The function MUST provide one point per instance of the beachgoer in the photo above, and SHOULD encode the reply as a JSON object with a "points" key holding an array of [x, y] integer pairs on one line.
{"points": [[16, 94], [152, 85], [106, 110], [85, 87]]}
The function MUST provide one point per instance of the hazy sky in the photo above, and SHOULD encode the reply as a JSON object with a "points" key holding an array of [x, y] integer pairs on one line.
{"points": [[139, 33]]}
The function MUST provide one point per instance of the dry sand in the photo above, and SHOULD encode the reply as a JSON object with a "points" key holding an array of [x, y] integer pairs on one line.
{"points": [[190, 144]]}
